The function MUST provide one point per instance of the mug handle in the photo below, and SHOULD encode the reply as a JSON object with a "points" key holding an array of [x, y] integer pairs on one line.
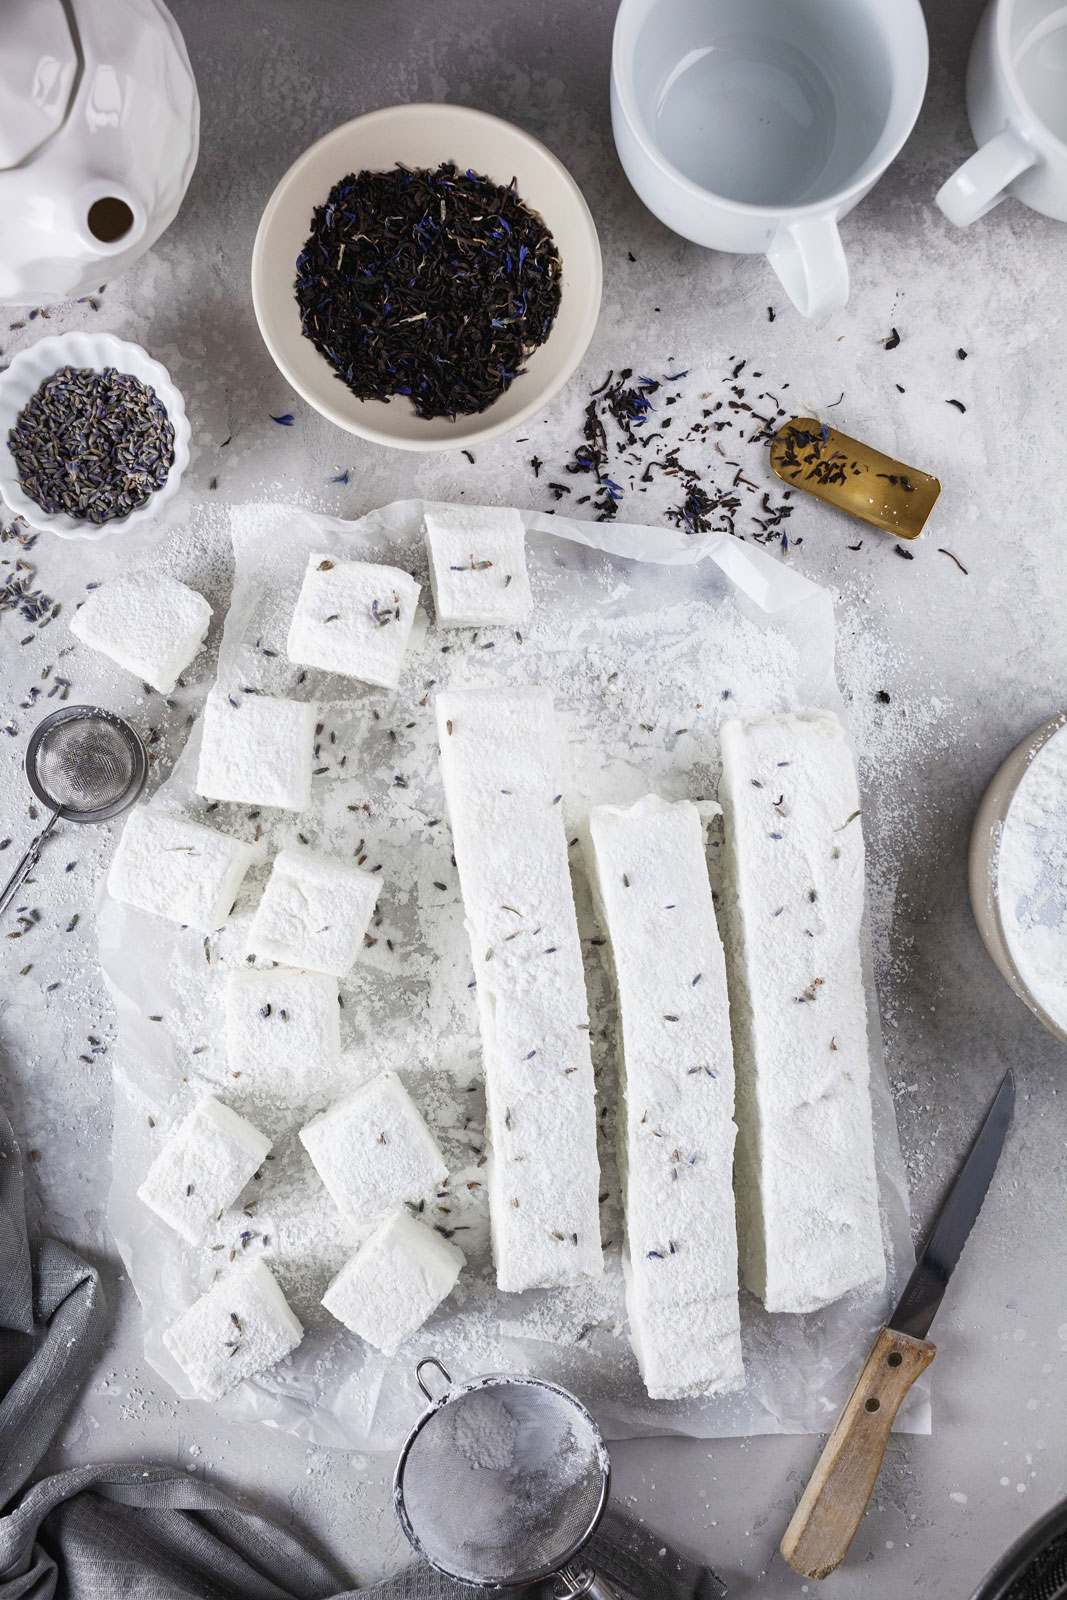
{"points": [[809, 260], [979, 184]]}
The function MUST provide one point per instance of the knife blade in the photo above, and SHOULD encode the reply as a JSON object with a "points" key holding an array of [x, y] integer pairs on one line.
{"points": [[832, 1506], [922, 1294]]}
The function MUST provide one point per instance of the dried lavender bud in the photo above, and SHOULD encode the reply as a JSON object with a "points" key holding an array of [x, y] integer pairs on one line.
{"points": [[93, 445]]}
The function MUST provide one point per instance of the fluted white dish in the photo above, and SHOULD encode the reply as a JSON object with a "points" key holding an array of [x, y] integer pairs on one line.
{"points": [[96, 350]]}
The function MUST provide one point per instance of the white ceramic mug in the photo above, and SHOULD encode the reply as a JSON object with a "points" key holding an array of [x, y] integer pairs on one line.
{"points": [[754, 125], [1017, 105]]}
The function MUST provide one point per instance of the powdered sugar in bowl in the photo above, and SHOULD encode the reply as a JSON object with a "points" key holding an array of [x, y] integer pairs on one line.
{"points": [[97, 413], [1017, 879]]}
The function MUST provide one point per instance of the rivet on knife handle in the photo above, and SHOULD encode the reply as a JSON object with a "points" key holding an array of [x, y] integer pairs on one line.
{"points": [[832, 1506]]}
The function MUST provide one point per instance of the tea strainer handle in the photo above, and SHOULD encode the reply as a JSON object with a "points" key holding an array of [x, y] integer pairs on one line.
{"points": [[431, 1361], [26, 865], [579, 1580]]}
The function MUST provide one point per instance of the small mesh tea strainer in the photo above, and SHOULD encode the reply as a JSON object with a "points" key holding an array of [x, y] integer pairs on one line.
{"points": [[502, 1482], [86, 765]]}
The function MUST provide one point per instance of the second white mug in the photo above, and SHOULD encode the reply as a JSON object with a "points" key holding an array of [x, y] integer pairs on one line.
{"points": [[1017, 105], [753, 125]]}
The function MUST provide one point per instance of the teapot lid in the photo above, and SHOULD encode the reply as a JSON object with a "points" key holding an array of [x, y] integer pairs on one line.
{"points": [[39, 66]]}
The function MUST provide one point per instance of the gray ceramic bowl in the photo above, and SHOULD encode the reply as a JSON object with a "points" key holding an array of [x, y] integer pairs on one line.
{"points": [[985, 856]]}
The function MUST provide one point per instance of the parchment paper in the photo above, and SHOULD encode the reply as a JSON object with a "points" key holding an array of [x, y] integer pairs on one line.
{"points": [[631, 624]]}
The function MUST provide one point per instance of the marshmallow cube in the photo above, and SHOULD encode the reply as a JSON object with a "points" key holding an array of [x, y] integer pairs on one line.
{"points": [[314, 912], [202, 1168], [178, 869], [353, 617], [478, 566], [239, 1328], [282, 1031], [151, 625], [373, 1151], [257, 750], [397, 1277]]}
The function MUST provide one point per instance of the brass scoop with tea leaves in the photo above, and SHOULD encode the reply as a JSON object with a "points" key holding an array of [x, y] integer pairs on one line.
{"points": [[848, 474]]}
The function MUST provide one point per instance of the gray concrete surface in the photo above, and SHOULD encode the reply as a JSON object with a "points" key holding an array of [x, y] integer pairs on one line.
{"points": [[971, 663]]}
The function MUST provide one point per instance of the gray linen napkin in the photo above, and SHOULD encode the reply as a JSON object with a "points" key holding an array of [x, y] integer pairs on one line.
{"points": [[154, 1533]]}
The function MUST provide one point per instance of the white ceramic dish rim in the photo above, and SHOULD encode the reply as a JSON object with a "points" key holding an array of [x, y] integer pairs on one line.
{"points": [[466, 430], [632, 14], [984, 861], [79, 348]]}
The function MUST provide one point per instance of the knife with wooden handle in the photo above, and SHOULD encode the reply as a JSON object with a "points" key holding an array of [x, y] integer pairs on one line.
{"points": [[832, 1506]]}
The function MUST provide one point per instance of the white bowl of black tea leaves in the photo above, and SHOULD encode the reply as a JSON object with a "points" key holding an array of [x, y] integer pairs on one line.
{"points": [[427, 276], [93, 435]]}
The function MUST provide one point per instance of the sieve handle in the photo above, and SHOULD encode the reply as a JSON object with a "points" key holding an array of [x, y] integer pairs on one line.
{"points": [[580, 1583], [424, 1365], [26, 865]]}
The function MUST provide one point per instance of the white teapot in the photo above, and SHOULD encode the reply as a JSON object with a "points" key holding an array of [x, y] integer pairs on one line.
{"points": [[99, 130]]}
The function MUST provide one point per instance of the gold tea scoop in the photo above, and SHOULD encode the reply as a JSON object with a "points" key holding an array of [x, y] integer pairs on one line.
{"points": [[848, 474]]}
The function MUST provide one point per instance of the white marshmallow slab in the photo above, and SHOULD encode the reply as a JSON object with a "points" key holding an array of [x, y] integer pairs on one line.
{"points": [[178, 869], [676, 1129], [202, 1168], [239, 1329], [478, 566], [314, 912], [807, 1192], [257, 750], [396, 1279], [148, 623], [353, 617], [373, 1150], [501, 768], [283, 1032]]}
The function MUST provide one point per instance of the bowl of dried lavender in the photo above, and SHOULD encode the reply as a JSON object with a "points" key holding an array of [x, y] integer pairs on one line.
{"points": [[427, 276], [93, 435]]}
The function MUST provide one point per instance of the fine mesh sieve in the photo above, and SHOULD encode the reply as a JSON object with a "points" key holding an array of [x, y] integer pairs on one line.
{"points": [[86, 765], [502, 1482]]}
